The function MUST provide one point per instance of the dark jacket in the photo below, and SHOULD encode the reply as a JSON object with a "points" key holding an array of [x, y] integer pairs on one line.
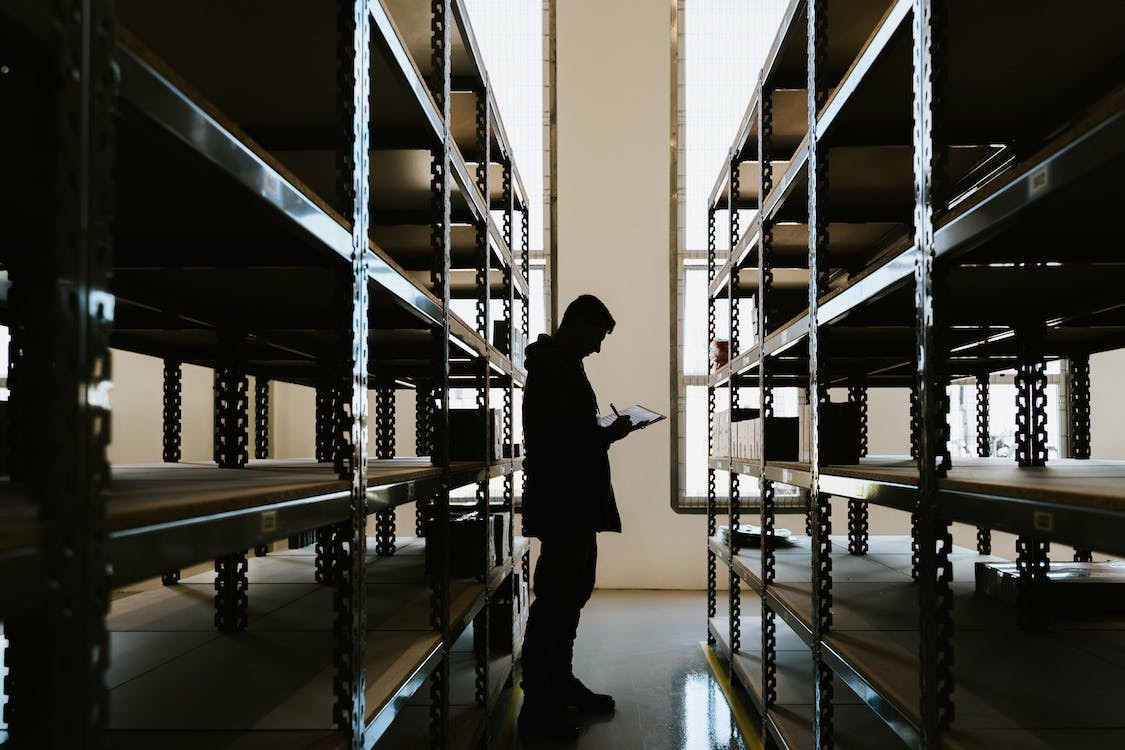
{"points": [[566, 452]]}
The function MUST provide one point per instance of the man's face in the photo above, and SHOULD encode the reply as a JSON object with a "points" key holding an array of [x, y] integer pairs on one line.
{"points": [[592, 336]]}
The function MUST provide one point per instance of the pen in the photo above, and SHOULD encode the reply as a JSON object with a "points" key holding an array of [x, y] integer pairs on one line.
{"points": [[611, 406]]}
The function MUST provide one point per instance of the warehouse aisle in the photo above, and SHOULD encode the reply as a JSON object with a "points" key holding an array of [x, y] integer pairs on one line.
{"points": [[643, 647]]}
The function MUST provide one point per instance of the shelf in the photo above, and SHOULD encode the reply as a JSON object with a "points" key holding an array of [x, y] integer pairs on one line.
{"points": [[168, 516], [873, 646], [786, 65], [227, 238], [307, 240], [1027, 156], [790, 720], [280, 669], [872, 102], [1083, 158]]}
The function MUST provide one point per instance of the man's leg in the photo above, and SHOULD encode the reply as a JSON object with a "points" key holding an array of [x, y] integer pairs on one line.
{"points": [[559, 585], [577, 694]]}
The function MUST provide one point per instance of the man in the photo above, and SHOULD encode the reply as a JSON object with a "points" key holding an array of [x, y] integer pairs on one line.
{"points": [[568, 499]]}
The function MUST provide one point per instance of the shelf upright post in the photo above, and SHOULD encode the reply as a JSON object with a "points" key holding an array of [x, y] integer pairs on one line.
{"points": [[261, 418], [525, 313], [984, 449], [712, 490], [858, 519], [483, 322], [261, 433], [349, 600], [441, 23], [1031, 401], [935, 573], [173, 411], [62, 314], [423, 444], [385, 450], [330, 415], [735, 501], [767, 501], [1032, 553], [509, 392], [915, 452], [231, 438], [820, 502], [173, 417], [232, 402], [1078, 412], [326, 396], [510, 346]]}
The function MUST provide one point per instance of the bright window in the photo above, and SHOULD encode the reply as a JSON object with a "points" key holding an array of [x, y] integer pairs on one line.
{"points": [[721, 47]]}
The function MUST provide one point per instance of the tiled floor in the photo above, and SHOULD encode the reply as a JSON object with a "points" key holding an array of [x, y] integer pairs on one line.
{"points": [[643, 647]]}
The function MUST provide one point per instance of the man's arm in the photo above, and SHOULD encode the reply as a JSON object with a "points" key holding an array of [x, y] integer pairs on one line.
{"points": [[558, 410]]}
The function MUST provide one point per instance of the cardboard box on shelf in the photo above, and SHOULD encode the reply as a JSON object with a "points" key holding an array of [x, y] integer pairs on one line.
{"points": [[467, 437], [470, 539], [500, 329], [839, 434], [781, 437], [719, 353]]}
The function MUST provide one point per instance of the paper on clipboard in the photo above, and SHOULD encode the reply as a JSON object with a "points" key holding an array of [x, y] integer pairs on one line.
{"points": [[640, 416]]}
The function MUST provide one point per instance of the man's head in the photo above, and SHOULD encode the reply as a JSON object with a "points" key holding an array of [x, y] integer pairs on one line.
{"points": [[585, 324]]}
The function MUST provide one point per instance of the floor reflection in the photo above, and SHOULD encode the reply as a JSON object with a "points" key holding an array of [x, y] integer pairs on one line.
{"points": [[644, 648]]}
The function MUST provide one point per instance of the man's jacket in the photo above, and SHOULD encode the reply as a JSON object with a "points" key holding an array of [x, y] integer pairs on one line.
{"points": [[566, 452]]}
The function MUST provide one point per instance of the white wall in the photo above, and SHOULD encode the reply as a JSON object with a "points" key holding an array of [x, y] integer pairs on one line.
{"points": [[136, 421], [614, 99]]}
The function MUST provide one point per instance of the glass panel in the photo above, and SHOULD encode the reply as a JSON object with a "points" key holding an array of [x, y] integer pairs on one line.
{"points": [[724, 41], [510, 35], [1001, 420]]}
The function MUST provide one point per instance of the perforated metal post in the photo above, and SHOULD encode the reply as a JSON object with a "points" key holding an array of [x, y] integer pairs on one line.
{"points": [[61, 314], [483, 321], [261, 418], [231, 437], [328, 548], [1031, 403], [1078, 371], [385, 450], [1032, 565], [231, 600], [765, 321], [173, 405], [331, 420], [326, 397], [173, 417], [819, 378], [858, 518], [984, 449], [712, 489], [441, 23], [934, 542], [423, 445], [735, 500], [232, 404], [349, 711]]}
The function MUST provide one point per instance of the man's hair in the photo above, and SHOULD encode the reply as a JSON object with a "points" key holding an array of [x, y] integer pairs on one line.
{"points": [[588, 308]]}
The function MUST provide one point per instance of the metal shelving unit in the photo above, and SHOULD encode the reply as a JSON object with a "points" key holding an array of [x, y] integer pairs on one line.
{"points": [[916, 196], [296, 200]]}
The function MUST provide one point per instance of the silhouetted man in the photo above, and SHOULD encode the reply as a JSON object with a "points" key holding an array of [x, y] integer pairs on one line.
{"points": [[567, 501]]}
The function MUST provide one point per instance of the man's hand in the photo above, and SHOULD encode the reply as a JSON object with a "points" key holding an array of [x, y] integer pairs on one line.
{"points": [[619, 428]]}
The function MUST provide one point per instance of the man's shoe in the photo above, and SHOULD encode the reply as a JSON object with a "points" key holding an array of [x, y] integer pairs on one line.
{"points": [[547, 721], [586, 700]]}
